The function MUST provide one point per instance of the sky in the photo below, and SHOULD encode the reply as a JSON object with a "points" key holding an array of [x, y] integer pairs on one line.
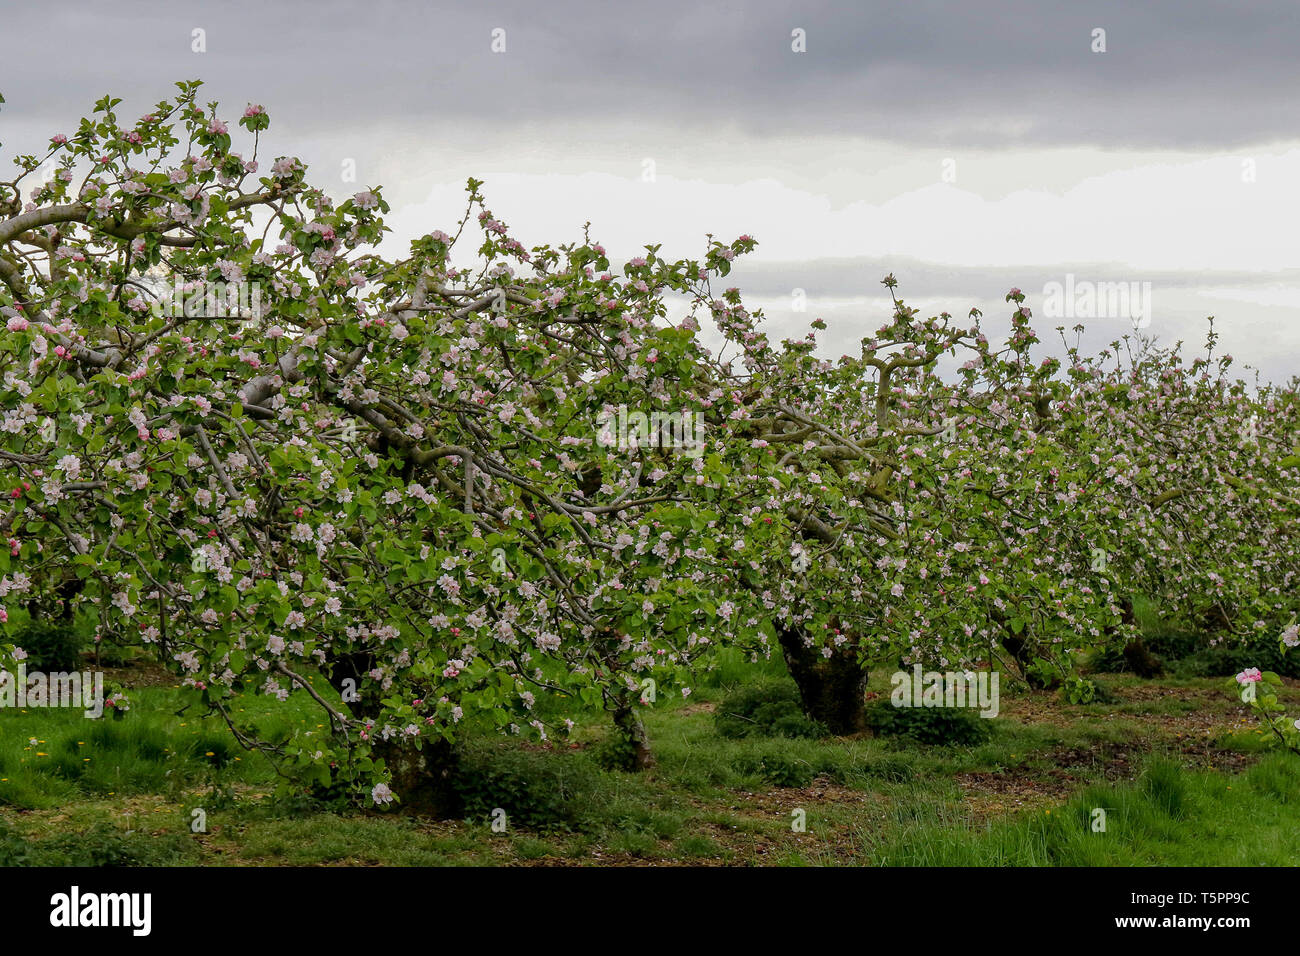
{"points": [[964, 147]]}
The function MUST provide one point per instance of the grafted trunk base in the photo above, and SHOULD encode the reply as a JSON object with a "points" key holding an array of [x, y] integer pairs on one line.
{"points": [[1022, 651], [634, 739], [833, 689], [1140, 660], [422, 779]]}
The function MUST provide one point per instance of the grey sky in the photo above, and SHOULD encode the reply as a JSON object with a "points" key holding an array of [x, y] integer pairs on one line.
{"points": [[1181, 73], [1128, 164]]}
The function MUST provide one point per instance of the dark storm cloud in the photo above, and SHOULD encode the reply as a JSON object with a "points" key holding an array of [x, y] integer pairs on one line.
{"points": [[1182, 74]]}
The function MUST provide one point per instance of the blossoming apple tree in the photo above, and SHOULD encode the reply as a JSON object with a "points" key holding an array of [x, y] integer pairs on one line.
{"points": [[1010, 510], [397, 474], [390, 473]]}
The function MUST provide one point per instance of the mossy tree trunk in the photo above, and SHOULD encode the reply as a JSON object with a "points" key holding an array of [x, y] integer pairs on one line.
{"points": [[833, 689], [1137, 655], [1022, 650], [421, 778], [633, 739]]}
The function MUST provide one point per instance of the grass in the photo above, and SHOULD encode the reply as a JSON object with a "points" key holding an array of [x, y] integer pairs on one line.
{"points": [[1167, 817], [1182, 777], [51, 756]]}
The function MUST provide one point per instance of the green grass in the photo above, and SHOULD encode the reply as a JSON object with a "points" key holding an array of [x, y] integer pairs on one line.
{"points": [[1169, 816], [50, 756], [98, 845], [1181, 778], [327, 838]]}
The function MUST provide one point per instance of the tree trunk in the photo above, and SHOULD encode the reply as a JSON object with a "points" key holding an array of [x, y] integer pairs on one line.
{"points": [[55, 603], [833, 689], [1137, 655], [1140, 660], [1022, 651], [632, 749], [634, 738], [1216, 621], [422, 778]]}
